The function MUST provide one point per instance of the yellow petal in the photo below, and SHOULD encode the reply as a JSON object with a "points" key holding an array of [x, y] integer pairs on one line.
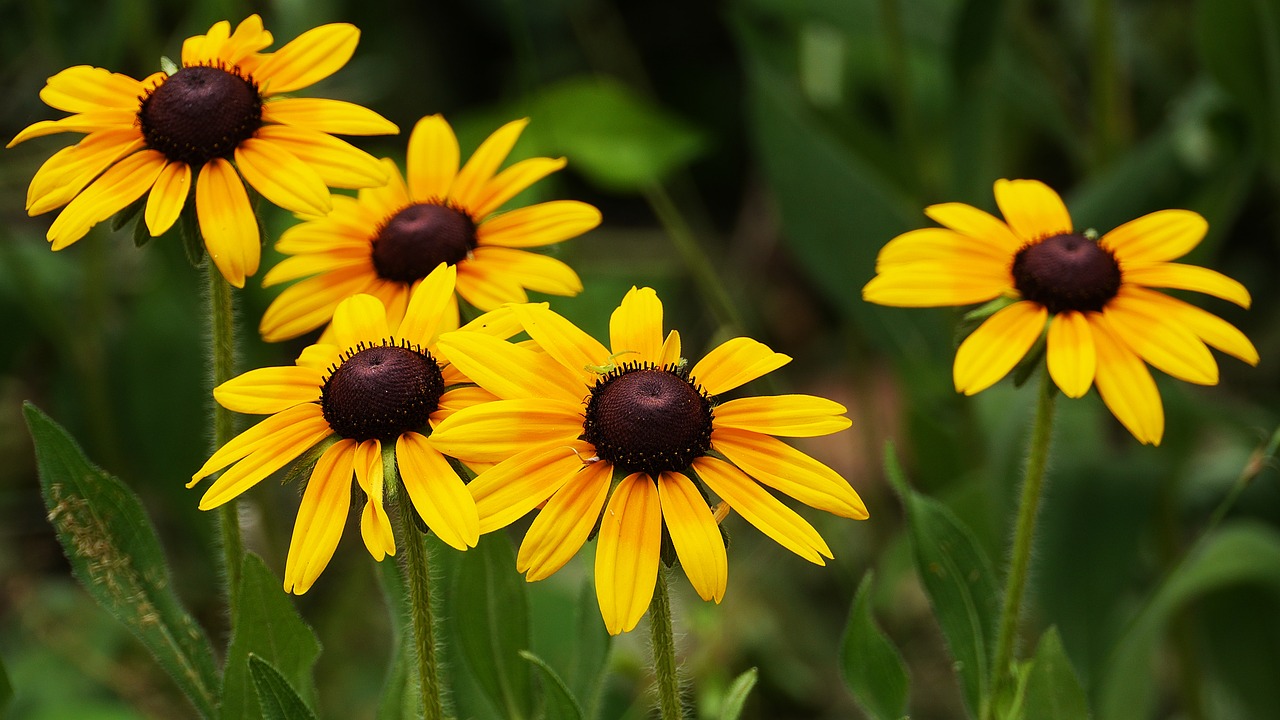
{"points": [[561, 339], [269, 390], [336, 162], [762, 510], [991, 351], [120, 185], [306, 265], [785, 469], [69, 170], [942, 246], [564, 523], [307, 59], [507, 491], [84, 89], [1208, 327], [282, 178], [432, 160], [938, 284], [460, 398], [1126, 385], [494, 431], [541, 224], [670, 350], [635, 328], [1071, 357], [326, 116], [735, 363], [227, 222], [972, 222], [86, 122], [627, 553], [510, 182], [248, 39], [487, 290], [1032, 209], [309, 304], [286, 446], [427, 305], [320, 357], [1158, 340], [510, 371], [321, 517], [375, 526], [1157, 237], [168, 196], [501, 323], [785, 415], [470, 184], [265, 434], [695, 535], [529, 270], [201, 48], [360, 319], [1188, 277], [385, 201], [438, 494]]}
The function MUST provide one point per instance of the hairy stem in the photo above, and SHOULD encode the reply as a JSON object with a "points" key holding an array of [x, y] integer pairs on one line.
{"points": [[419, 574], [222, 339], [664, 651]]}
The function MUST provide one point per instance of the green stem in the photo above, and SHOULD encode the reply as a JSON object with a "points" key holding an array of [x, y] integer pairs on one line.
{"points": [[1023, 535], [222, 334], [420, 609], [664, 651]]}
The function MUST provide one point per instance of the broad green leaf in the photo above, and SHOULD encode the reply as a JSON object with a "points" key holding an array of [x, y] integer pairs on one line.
{"points": [[959, 580], [558, 703], [268, 627], [872, 667], [278, 699], [116, 556], [399, 699], [491, 616], [591, 643], [615, 138], [1053, 690], [736, 698], [1240, 554]]}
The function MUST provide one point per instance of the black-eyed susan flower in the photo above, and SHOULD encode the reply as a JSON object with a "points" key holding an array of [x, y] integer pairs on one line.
{"points": [[170, 133], [387, 240], [574, 417], [374, 393], [1090, 299]]}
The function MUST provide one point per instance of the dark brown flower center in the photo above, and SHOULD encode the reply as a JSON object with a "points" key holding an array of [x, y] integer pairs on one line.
{"points": [[1066, 272], [420, 237], [382, 392], [200, 113], [646, 419]]}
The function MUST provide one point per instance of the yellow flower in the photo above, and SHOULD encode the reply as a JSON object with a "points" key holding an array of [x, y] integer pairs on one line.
{"points": [[386, 241], [1090, 299], [380, 384], [575, 414], [223, 103]]}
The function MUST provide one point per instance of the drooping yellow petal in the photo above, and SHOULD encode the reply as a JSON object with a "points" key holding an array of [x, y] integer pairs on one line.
{"points": [[532, 271], [309, 304], [264, 435], [1188, 277], [972, 222], [326, 116], [564, 523], [1032, 209], [227, 221], [282, 178], [470, 184], [542, 224], [627, 552], [1208, 327], [510, 371], [734, 363], [84, 89], [286, 445], [695, 535], [437, 493], [938, 284], [991, 351], [1158, 340], [1126, 385], [69, 170], [168, 196], [432, 159], [762, 510], [943, 246], [1071, 357], [336, 162], [115, 190], [512, 181], [783, 468], [635, 328], [269, 390], [308, 264], [562, 340], [1156, 237], [375, 526], [495, 431], [784, 415], [509, 490], [307, 59], [321, 517], [427, 305], [86, 122]]}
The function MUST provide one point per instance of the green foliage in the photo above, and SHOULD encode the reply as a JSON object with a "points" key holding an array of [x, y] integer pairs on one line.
{"points": [[870, 664], [736, 698], [276, 697], [1239, 41], [6, 689], [115, 554], [267, 627], [558, 702], [1053, 690], [399, 699]]}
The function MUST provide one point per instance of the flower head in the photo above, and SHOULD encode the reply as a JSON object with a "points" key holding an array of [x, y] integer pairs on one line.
{"points": [[224, 103], [574, 416], [1090, 299], [379, 388], [386, 241]]}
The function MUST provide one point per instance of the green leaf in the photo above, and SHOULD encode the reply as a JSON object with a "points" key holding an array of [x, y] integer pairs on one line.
{"points": [[736, 698], [1243, 553], [591, 643], [871, 665], [1053, 690], [399, 699], [116, 556], [269, 627], [1239, 43], [615, 138], [959, 580], [558, 703], [491, 615], [6, 689], [276, 697]]}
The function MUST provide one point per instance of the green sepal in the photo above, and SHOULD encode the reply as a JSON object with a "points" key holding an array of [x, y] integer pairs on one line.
{"points": [[300, 470], [130, 212], [168, 66], [975, 317], [1029, 362], [192, 240], [276, 697], [141, 233]]}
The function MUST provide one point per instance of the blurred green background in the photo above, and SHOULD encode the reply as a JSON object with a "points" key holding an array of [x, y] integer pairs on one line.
{"points": [[788, 140]]}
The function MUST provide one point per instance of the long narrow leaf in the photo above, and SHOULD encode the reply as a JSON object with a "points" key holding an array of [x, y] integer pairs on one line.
{"points": [[736, 697], [278, 700], [872, 667], [558, 703]]}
